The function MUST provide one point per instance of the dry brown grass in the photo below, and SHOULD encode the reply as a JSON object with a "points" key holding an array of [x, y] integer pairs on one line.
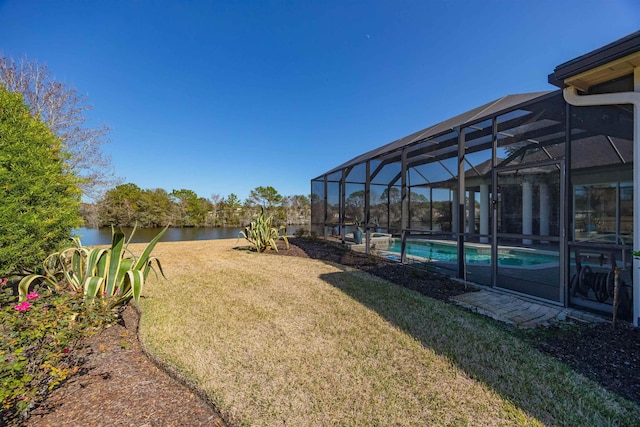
{"points": [[292, 341]]}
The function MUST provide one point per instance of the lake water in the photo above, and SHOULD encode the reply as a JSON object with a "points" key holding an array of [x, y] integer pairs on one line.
{"points": [[102, 236]]}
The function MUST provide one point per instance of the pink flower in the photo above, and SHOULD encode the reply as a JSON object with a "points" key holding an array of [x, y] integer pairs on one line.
{"points": [[24, 306], [4, 281], [33, 295], [66, 350]]}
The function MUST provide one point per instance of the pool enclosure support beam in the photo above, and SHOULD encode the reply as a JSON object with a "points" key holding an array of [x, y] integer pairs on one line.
{"points": [[472, 212], [527, 211], [367, 206], [430, 207], [389, 207], [571, 96], [343, 204], [563, 243], [460, 205], [326, 205], [404, 205], [454, 210], [484, 212], [567, 210], [494, 203], [545, 209]]}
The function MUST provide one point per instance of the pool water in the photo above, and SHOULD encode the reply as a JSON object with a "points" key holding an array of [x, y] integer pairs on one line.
{"points": [[436, 251]]}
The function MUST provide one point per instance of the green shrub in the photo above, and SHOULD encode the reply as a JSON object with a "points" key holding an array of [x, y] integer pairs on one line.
{"points": [[113, 273], [40, 196], [300, 232], [262, 234], [38, 342]]}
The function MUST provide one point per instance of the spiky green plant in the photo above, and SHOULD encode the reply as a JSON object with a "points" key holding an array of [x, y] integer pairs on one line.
{"points": [[262, 234], [114, 273]]}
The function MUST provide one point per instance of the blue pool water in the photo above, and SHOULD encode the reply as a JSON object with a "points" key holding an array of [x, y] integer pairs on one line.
{"points": [[437, 251]]}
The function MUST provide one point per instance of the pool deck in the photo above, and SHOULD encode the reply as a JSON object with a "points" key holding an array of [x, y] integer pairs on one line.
{"points": [[520, 311]]}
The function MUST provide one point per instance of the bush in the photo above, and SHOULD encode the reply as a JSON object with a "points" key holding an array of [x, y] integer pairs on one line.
{"points": [[38, 340], [76, 295], [262, 234], [40, 197], [113, 273], [300, 232]]}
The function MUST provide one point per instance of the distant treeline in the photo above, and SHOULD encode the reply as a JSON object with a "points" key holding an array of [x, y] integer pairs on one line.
{"points": [[127, 205]]}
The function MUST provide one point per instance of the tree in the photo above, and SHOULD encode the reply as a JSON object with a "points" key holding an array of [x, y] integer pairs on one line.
{"points": [[216, 203], [63, 110], [120, 206], [183, 199], [298, 209], [267, 197], [89, 215], [354, 206], [155, 208], [419, 209], [193, 210], [391, 197], [232, 208], [40, 195]]}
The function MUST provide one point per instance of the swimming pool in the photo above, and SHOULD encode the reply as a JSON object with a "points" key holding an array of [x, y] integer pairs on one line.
{"points": [[447, 252]]}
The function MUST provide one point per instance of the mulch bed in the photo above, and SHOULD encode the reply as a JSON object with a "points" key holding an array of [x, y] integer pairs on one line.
{"points": [[118, 385]]}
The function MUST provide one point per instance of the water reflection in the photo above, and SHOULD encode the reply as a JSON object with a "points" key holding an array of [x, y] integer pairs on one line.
{"points": [[102, 236]]}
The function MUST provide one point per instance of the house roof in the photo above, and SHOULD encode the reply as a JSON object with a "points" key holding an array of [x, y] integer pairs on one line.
{"points": [[478, 114], [606, 63]]}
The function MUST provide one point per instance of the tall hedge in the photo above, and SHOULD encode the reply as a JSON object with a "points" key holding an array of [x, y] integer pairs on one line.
{"points": [[39, 198]]}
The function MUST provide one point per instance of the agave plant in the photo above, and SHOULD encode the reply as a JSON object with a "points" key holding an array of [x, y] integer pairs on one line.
{"points": [[113, 273], [262, 234]]}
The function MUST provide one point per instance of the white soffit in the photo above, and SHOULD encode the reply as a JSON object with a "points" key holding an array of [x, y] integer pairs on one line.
{"points": [[612, 70]]}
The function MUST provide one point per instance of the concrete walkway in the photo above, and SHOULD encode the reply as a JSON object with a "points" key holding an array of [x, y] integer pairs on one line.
{"points": [[519, 311]]}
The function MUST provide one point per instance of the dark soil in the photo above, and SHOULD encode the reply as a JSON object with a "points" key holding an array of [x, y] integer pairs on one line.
{"points": [[606, 355], [118, 385]]}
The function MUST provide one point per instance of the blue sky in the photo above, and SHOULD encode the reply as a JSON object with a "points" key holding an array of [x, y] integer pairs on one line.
{"points": [[224, 96]]}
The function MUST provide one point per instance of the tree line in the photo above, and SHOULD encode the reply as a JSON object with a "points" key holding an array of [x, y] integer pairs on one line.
{"points": [[127, 205]]}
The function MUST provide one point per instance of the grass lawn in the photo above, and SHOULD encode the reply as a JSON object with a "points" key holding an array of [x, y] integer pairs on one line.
{"points": [[293, 341]]}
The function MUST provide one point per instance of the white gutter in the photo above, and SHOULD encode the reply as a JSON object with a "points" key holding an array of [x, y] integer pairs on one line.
{"points": [[571, 96]]}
